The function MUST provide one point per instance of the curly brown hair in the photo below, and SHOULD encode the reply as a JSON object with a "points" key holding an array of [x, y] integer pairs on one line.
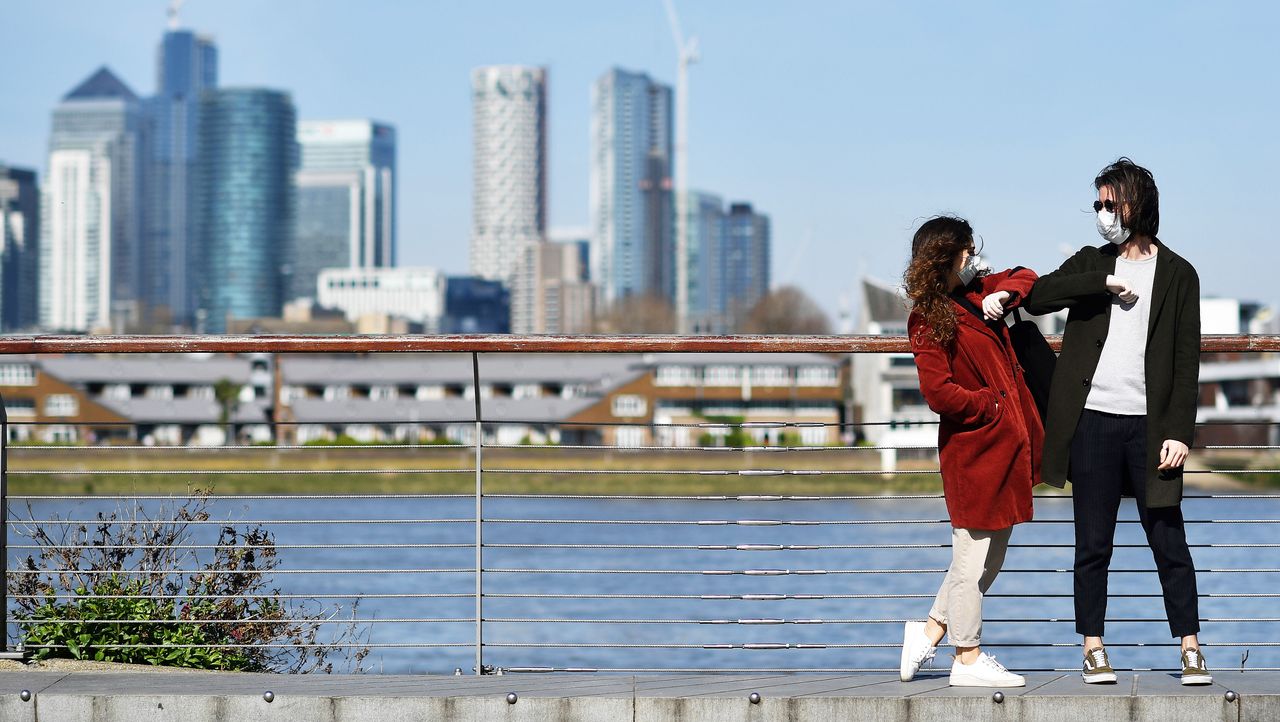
{"points": [[928, 277]]}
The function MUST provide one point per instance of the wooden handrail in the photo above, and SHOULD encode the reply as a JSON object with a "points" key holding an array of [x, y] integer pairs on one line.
{"points": [[507, 343]]}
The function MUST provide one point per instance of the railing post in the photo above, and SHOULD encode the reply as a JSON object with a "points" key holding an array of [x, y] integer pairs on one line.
{"points": [[5, 652], [479, 435]]}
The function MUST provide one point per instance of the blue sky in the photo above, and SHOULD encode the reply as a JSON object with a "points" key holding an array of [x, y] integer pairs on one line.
{"points": [[847, 122]]}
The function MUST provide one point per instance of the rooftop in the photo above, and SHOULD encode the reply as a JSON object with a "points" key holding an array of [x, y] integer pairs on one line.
{"points": [[103, 84], [165, 369]]}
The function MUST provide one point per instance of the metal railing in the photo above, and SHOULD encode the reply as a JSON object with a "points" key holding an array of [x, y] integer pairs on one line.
{"points": [[517, 577]]}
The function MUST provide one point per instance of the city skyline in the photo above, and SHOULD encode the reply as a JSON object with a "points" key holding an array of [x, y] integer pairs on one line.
{"points": [[881, 117]]}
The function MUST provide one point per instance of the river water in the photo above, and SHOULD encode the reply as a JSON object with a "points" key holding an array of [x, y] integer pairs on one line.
{"points": [[1041, 595]]}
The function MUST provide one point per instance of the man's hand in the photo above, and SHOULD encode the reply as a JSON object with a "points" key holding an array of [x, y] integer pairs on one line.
{"points": [[1173, 454], [993, 305], [1123, 288]]}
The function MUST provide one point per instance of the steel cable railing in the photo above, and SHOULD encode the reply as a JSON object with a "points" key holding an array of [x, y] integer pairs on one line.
{"points": [[512, 554]]}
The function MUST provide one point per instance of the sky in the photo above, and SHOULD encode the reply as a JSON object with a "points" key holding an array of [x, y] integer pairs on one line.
{"points": [[848, 123]]}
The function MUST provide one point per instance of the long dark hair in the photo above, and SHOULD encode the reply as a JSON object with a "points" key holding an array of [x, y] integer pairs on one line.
{"points": [[928, 277], [1134, 188]]}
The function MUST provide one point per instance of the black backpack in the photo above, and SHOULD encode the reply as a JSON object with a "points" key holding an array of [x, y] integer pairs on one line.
{"points": [[1034, 354]]}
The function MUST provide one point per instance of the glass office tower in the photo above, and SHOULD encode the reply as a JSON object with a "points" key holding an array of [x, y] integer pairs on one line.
{"points": [[91, 209], [743, 261], [346, 199], [187, 65], [19, 249], [706, 241], [247, 158]]}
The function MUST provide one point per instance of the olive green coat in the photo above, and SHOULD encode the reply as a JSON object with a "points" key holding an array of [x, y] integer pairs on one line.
{"points": [[1172, 357]]}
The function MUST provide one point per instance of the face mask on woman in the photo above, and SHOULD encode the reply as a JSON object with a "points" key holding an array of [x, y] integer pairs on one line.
{"points": [[1109, 227], [972, 267]]}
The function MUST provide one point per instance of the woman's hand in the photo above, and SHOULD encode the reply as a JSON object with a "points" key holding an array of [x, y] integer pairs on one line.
{"points": [[1173, 454], [993, 305], [1123, 288]]}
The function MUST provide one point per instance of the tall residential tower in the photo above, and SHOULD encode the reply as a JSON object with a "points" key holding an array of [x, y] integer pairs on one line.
{"points": [[631, 209], [509, 198]]}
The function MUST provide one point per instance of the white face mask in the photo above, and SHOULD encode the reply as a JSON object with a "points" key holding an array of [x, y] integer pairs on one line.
{"points": [[1109, 227], [972, 267]]}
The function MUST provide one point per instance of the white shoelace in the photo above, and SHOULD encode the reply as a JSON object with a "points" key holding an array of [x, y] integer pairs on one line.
{"points": [[1193, 658], [924, 655], [1099, 658], [991, 662]]}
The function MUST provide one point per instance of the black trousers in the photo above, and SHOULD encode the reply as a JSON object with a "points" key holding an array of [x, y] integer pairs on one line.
{"points": [[1108, 454]]}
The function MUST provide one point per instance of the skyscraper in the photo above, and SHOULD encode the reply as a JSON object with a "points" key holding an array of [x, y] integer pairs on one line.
{"points": [[19, 248], [247, 158], [187, 65], [631, 209], [346, 199], [706, 241], [91, 210], [475, 305], [728, 263], [551, 293], [744, 261], [509, 199]]}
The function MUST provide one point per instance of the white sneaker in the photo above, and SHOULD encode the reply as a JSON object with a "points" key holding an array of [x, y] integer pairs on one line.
{"points": [[916, 650], [984, 672]]}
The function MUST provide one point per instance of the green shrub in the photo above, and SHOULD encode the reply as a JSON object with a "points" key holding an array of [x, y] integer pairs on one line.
{"points": [[735, 437], [91, 627], [339, 440], [129, 590]]}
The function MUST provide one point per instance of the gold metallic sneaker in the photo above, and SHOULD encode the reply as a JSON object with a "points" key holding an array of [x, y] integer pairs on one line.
{"points": [[1097, 668]]}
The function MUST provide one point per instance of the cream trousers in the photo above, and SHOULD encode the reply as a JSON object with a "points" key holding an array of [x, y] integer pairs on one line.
{"points": [[976, 558]]}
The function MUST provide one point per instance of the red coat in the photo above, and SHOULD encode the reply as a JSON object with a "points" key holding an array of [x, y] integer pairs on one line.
{"points": [[989, 452]]}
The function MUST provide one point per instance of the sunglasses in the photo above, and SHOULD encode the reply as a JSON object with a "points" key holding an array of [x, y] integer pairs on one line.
{"points": [[1099, 205]]}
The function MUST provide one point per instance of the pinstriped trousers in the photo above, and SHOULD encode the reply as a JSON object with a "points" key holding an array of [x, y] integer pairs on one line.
{"points": [[1107, 450]]}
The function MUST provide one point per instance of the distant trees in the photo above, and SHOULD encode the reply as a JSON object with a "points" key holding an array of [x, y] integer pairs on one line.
{"points": [[786, 310], [637, 314], [227, 393]]}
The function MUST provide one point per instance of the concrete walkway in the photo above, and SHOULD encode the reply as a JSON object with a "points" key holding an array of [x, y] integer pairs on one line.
{"points": [[205, 697]]}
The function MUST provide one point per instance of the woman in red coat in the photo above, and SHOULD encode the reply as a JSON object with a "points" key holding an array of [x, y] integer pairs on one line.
{"points": [[989, 435]]}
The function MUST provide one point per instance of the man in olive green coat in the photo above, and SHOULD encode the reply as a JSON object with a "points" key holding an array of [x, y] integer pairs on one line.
{"points": [[1122, 407]]}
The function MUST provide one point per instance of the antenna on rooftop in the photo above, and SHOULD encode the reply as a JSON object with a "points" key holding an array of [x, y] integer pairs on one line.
{"points": [[174, 7]]}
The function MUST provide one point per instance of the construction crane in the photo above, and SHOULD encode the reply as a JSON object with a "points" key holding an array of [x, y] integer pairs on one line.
{"points": [[687, 53]]}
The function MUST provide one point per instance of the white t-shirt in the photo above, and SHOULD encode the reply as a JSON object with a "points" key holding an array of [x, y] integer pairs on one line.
{"points": [[1119, 385]]}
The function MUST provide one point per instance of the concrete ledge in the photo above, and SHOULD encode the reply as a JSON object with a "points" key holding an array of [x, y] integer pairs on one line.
{"points": [[214, 697]]}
